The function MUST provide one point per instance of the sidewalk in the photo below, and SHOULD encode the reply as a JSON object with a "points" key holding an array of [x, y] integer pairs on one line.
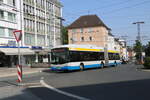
{"points": [[16, 93], [7, 72]]}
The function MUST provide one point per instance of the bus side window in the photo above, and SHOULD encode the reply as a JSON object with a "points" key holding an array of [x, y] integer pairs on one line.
{"points": [[73, 56], [101, 55], [117, 56], [110, 56]]}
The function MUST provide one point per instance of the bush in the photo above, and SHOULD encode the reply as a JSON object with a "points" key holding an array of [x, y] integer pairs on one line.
{"points": [[147, 63]]}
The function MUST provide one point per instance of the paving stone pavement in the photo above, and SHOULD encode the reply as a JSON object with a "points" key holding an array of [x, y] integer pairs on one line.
{"points": [[16, 93], [9, 90], [6, 72]]}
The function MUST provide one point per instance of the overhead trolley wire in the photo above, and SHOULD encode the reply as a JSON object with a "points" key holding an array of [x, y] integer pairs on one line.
{"points": [[124, 8]]}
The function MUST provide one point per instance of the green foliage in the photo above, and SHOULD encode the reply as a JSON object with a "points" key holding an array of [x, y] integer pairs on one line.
{"points": [[147, 50], [138, 49], [64, 35], [147, 63]]}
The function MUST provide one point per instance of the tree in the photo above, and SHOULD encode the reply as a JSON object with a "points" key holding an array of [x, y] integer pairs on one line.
{"points": [[64, 35], [138, 50], [147, 58], [147, 50]]}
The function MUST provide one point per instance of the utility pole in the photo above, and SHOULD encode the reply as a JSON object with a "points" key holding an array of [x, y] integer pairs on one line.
{"points": [[138, 28], [139, 38]]}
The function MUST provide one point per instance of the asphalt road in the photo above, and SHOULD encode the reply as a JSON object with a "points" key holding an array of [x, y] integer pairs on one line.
{"points": [[125, 82]]}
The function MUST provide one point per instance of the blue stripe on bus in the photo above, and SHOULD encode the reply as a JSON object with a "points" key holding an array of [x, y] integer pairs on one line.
{"points": [[74, 67], [78, 67], [65, 68], [92, 66]]}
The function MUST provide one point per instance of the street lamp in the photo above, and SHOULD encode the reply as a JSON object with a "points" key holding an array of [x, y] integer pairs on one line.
{"points": [[138, 28], [139, 38]]}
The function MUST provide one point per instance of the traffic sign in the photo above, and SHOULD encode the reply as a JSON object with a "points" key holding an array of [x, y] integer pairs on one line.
{"points": [[18, 35]]}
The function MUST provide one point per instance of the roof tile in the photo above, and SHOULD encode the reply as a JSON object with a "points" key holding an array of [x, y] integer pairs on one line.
{"points": [[87, 21]]}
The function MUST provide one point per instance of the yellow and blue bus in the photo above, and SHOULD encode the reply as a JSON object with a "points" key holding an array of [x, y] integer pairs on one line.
{"points": [[80, 57]]}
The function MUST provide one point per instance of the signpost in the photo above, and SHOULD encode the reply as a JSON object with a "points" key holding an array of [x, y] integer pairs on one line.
{"points": [[18, 36]]}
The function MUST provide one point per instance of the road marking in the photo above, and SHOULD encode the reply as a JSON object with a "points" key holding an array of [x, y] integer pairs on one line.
{"points": [[34, 86], [62, 92]]}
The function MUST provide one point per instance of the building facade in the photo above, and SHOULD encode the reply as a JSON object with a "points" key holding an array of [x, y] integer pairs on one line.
{"points": [[123, 50], [88, 30], [39, 21], [9, 21], [111, 42]]}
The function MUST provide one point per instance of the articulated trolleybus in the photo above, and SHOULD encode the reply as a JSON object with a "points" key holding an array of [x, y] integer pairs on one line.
{"points": [[79, 57]]}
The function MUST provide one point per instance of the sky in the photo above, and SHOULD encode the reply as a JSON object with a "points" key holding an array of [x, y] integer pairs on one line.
{"points": [[116, 14]]}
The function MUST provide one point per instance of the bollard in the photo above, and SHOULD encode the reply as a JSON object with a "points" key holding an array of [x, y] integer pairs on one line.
{"points": [[19, 72]]}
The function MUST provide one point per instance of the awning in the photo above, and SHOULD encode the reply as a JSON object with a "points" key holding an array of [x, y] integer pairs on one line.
{"points": [[42, 52], [14, 51]]}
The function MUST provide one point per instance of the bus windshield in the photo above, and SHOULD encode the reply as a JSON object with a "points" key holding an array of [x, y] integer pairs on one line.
{"points": [[59, 56]]}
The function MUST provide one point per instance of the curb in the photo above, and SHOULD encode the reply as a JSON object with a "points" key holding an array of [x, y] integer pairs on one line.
{"points": [[24, 73], [146, 70], [15, 74]]}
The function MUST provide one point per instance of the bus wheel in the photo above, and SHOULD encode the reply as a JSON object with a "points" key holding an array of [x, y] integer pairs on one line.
{"points": [[81, 66], [115, 65]]}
